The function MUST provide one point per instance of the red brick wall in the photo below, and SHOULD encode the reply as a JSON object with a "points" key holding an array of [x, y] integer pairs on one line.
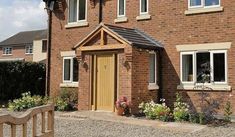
{"points": [[169, 25], [17, 52]]}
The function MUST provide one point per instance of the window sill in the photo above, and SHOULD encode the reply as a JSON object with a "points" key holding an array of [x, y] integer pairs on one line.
{"points": [[6, 54], [69, 85], [153, 87], [120, 19], [77, 24], [143, 17], [203, 10], [220, 87]]}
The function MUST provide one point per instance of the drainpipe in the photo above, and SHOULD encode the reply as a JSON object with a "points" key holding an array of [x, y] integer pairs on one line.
{"points": [[101, 11], [160, 74], [49, 12]]}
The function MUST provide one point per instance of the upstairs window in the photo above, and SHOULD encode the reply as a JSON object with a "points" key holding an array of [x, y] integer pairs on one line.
{"points": [[77, 10], [70, 70], [144, 6], [203, 3], [44, 46], [152, 69], [29, 49], [121, 8], [7, 51]]}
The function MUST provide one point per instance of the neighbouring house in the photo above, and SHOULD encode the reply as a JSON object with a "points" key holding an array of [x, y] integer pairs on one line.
{"points": [[25, 46], [145, 50]]}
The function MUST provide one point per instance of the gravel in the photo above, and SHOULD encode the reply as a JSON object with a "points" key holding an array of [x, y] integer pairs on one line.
{"points": [[85, 127]]}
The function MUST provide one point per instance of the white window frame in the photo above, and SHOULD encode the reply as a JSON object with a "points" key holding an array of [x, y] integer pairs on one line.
{"points": [[211, 64], [27, 49], [6, 50], [143, 13], [155, 83], [77, 13], [181, 66], [118, 15], [71, 70], [203, 5]]}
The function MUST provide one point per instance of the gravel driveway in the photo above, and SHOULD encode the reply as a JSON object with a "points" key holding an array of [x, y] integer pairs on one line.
{"points": [[95, 128], [86, 127]]}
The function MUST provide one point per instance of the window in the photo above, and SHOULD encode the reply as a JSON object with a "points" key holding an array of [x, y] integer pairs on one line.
{"points": [[77, 10], [201, 67], [29, 49], [203, 3], [7, 51], [121, 8], [44, 46], [152, 69], [144, 6], [70, 69]]}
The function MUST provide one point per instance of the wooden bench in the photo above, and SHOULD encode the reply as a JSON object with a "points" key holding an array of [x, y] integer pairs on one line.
{"points": [[28, 115]]}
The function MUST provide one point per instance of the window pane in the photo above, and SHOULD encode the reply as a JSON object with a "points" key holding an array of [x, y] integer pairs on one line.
{"points": [[187, 68], [143, 5], [219, 67], [67, 69], [75, 70], [211, 2], [203, 67], [195, 2], [44, 46], [121, 7], [82, 10], [72, 10], [152, 68]]}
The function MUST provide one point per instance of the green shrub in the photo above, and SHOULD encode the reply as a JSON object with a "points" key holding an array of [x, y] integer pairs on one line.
{"points": [[27, 101], [18, 77], [228, 111], [155, 111], [194, 118], [67, 101], [181, 109]]}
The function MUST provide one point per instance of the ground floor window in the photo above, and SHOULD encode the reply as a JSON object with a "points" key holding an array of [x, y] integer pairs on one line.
{"points": [[201, 67], [70, 69], [152, 69], [7, 51]]}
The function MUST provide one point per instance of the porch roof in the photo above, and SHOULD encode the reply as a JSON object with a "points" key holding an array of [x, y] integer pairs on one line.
{"points": [[135, 37], [132, 36]]}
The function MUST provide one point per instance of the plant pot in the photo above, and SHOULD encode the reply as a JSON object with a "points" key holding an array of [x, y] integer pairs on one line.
{"points": [[120, 111]]}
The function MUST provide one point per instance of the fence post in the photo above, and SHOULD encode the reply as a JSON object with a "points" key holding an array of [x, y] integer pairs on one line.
{"points": [[13, 130], [24, 130], [34, 126]]}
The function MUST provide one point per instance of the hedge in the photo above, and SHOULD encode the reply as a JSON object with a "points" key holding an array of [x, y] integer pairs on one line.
{"points": [[19, 77]]}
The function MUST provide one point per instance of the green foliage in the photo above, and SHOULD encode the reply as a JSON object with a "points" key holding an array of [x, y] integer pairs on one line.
{"points": [[18, 77], [155, 111], [181, 109], [67, 101], [26, 101], [194, 118], [228, 111], [202, 118]]}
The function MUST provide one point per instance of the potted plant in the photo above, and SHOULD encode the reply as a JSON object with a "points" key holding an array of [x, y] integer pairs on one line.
{"points": [[122, 106]]}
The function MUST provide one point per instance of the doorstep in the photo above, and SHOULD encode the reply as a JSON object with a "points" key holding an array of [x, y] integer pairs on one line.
{"points": [[112, 117]]}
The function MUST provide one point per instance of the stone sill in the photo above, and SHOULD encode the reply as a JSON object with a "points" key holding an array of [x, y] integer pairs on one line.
{"points": [[120, 19], [77, 24], [216, 87], [153, 87], [143, 17], [203, 10], [69, 85]]}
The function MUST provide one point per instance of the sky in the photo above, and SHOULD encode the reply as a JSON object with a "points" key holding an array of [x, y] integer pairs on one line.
{"points": [[21, 15]]}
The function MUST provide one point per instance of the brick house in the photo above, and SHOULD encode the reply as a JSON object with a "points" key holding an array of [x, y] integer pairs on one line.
{"points": [[145, 50], [25, 46]]}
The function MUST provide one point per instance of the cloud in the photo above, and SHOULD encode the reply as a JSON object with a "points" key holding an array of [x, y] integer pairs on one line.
{"points": [[21, 15]]}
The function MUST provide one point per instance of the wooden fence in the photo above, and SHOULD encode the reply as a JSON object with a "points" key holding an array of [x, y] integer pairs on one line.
{"points": [[28, 115]]}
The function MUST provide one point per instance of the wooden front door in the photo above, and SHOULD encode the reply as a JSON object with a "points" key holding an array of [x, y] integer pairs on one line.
{"points": [[105, 78]]}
